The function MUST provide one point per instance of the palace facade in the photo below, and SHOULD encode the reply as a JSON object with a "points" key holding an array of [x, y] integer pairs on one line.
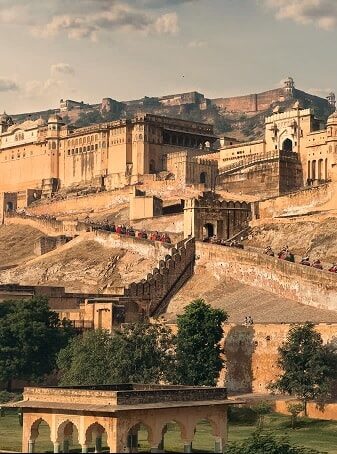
{"points": [[51, 156], [297, 150]]}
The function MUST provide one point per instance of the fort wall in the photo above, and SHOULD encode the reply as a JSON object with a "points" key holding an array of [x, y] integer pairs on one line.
{"points": [[167, 279], [300, 202], [252, 351], [290, 280], [251, 103]]}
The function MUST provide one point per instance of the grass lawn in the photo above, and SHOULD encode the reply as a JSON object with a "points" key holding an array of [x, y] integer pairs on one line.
{"points": [[316, 434]]}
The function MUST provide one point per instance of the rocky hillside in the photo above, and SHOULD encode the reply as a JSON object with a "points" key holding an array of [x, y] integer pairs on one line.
{"points": [[243, 126], [17, 244], [315, 238], [84, 265]]}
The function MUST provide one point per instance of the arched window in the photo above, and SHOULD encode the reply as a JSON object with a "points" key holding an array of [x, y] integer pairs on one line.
{"points": [[203, 178], [287, 145]]}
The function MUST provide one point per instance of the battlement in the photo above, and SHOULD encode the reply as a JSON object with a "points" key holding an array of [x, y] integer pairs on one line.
{"points": [[167, 279]]}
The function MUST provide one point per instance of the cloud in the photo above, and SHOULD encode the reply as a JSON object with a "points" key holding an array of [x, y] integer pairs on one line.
{"points": [[88, 19], [36, 88], [321, 13], [166, 24], [8, 85], [62, 68]]}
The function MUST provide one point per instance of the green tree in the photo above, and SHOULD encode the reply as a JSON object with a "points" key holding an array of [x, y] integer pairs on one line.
{"points": [[140, 353], [266, 443], [308, 367], [262, 409], [31, 335], [198, 351], [295, 408]]}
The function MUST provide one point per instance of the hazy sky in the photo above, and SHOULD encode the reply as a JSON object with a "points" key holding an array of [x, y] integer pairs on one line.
{"points": [[125, 49]]}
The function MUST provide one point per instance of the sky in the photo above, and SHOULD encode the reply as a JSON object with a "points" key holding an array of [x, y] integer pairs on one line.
{"points": [[127, 49]]}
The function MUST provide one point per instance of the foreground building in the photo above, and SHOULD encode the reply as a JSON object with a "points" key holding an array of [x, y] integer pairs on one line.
{"points": [[120, 411], [52, 156]]}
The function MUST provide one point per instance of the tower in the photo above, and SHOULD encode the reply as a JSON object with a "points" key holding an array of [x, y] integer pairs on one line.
{"points": [[332, 100], [289, 86], [5, 122]]}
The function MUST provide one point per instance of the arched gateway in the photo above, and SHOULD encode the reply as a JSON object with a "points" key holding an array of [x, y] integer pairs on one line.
{"points": [[110, 417]]}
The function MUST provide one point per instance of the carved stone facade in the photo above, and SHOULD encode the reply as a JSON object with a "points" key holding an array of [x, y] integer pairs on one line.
{"points": [[298, 150], [210, 216]]}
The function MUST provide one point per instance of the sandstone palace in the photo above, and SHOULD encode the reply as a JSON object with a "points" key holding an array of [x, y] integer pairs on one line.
{"points": [[51, 156]]}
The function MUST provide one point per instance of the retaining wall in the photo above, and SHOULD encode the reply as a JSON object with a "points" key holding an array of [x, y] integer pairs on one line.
{"points": [[290, 280]]}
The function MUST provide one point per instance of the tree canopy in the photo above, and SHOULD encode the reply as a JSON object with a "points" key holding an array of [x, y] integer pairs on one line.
{"points": [[140, 353], [198, 352], [31, 335], [307, 365]]}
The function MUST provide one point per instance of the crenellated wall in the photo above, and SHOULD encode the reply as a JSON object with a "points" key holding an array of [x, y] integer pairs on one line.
{"points": [[167, 279]]}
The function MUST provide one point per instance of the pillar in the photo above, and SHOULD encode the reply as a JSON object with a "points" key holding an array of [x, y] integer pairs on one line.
{"points": [[219, 445], [66, 446], [187, 446], [98, 444], [31, 446], [84, 448], [57, 447]]}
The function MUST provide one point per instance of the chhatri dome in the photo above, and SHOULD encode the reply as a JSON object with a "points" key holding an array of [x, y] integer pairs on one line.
{"points": [[333, 118]]}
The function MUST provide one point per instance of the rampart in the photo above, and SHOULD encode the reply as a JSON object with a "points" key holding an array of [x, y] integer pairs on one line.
{"points": [[302, 284], [252, 352], [167, 279], [300, 202], [250, 103]]}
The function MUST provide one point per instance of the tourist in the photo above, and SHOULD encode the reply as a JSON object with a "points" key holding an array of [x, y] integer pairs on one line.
{"points": [[268, 251], [317, 264], [333, 269], [305, 261]]}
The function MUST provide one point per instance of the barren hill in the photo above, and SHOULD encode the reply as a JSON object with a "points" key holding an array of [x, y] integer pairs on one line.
{"points": [[317, 238], [17, 244], [85, 265]]}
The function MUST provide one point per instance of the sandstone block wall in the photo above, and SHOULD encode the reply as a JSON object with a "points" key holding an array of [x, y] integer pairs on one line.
{"points": [[298, 202], [169, 277], [290, 280], [252, 352]]}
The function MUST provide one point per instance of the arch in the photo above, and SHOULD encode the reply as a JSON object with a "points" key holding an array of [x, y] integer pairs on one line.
{"points": [[205, 431], [40, 436], [96, 436], [171, 430], [208, 230], [203, 178], [287, 145], [313, 170], [320, 169], [9, 207], [152, 166], [139, 433]]}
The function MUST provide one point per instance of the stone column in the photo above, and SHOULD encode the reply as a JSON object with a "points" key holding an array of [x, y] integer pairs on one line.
{"points": [[84, 448], [56, 447], [66, 445], [187, 446], [98, 443], [31, 445], [219, 445]]}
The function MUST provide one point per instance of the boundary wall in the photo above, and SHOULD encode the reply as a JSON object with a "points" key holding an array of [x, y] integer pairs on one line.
{"points": [[299, 202], [299, 283], [164, 281]]}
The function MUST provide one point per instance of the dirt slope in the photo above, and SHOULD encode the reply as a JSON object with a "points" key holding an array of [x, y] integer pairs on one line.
{"points": [[318, 239], [17, 244], [82, 266], [240, 300]]}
